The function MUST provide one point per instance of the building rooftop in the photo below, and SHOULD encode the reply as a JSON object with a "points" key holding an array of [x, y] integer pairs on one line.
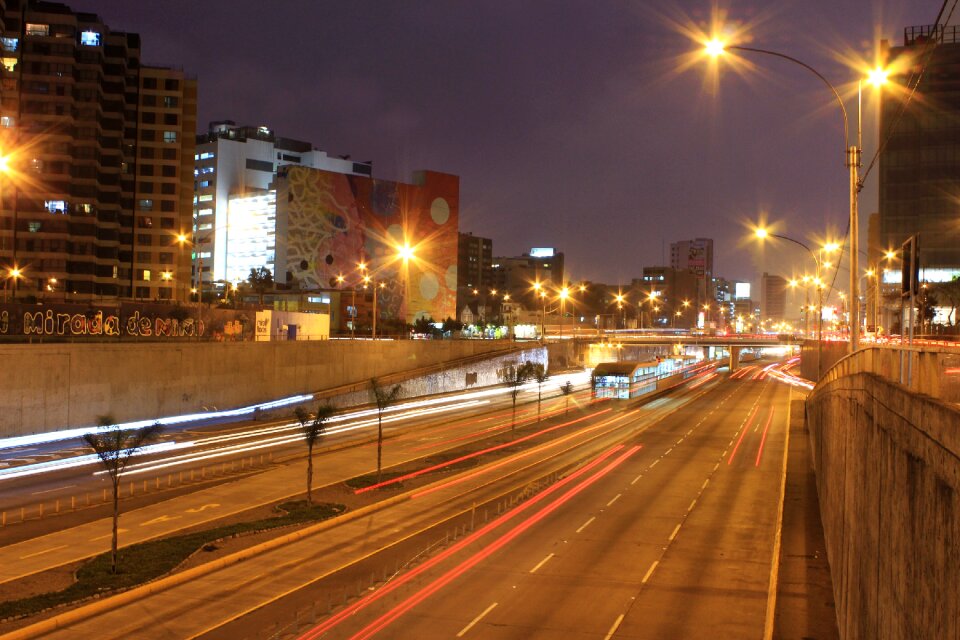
{"points": [[928, 32]]}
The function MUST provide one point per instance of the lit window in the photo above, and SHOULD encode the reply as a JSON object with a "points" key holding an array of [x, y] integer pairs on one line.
{"points": [[9, 64], [9, 44], [169, 136], [33, 227], [146, 274], [38, 29], [86, 208], [207, 197], [90, 38], [55, 206], [205, 212], [204, 183], [145, 205], [206, 155], [36, 164], [7, 121], [206, 170], [206, 226]]}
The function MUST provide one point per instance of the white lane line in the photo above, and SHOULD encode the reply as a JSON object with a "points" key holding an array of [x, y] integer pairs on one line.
{"points": [[615, 498], [636, 479], [724, 454], [476, 620], [654, 463], [716, 466], [109, 535], [775, 560], [586, 524], [668, 451], [675, 532], [40, 553], [679, 441], [692, 505], [613, 629], [650, 571], [69, 486], [705, 483], [541, 563]]}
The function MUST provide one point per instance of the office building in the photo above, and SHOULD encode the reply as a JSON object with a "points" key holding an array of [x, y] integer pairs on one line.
{"points": [[671, 288], [99, 151], [695, 256], [920, 163], [517, 275], [236, 166], [474, 270]]}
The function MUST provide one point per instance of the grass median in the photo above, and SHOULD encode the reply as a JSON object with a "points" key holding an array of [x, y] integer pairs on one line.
{"points": [[146, 561]]}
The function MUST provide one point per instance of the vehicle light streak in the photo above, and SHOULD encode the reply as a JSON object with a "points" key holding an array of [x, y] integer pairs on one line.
{"points": [[468, 456], [764, 438], [743, 432], [704, 381], [79, 461], [518, 456], [384, 620], [398, 582]]}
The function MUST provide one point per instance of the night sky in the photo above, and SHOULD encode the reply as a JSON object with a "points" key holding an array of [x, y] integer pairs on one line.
{"points": [[569, 123]]}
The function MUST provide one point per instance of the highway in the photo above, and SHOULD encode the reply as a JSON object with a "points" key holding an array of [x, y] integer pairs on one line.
{"points": [[666, 508]]}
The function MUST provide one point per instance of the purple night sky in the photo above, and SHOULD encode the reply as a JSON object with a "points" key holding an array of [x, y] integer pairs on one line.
{"points": [[568, 122]]}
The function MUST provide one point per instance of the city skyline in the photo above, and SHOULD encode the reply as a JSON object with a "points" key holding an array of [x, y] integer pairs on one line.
{"points": [[546, 123]]}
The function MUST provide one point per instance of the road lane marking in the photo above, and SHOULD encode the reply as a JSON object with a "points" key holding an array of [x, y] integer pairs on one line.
{"points": [[585, 524], [541, 563], [775, 560], [203, 508], [613, 629], [158, 520], [69, 486], [716, 466], [675, 532], [476, 620], [692, 505], [615, 498], [109, 535], [40, 553], [705, 483], [650, 572], [654, 463], [636, 479], [668, 451]]}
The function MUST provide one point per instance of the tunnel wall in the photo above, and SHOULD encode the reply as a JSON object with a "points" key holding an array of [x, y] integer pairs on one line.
{"points": [[887, 464]]}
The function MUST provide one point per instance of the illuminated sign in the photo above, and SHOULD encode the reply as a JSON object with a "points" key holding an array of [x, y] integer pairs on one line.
{"points": [[250, 237], [542, 252], [741, 291]]}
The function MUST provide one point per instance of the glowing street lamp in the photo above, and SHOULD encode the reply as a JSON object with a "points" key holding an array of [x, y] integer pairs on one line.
{"points": [[852, 161]]}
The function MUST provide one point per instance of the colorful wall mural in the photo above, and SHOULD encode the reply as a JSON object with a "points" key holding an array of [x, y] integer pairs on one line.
{"points": [[327, 223]]}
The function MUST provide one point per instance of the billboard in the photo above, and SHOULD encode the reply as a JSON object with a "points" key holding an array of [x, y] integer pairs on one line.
{"points": [[542, 252], [741, 291]]}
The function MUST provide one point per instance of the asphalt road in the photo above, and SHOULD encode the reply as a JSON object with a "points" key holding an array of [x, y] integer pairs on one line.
{"points": [[671, 536]]}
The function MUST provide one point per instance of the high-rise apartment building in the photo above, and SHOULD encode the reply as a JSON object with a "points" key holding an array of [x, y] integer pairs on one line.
{"points": [[695, 256], [234, 164], [95, 200], [920, 164], [773, 297]]}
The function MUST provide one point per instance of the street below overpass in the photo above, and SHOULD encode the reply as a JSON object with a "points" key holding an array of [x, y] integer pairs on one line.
{"points": [[641, 521]]}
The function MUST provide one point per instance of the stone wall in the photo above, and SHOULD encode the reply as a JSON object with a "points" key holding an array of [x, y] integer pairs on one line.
{"points": [[46, 387], [888, 477]]}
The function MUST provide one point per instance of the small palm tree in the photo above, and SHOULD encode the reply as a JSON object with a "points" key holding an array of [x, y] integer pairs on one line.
{"points": [[515, 378], [383, 397], [312, 431], [116, 447], [539, 373], [566, 389]]}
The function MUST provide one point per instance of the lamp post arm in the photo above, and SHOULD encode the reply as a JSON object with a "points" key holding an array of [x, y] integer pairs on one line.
{"points": [[836, 94], [797, 242]]}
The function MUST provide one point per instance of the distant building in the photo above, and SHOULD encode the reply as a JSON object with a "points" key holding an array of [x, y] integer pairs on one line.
{"points": [[773, 297], [474, 268], [518, 275], [695, 256], [236, 166], [100, 149], [672, 288]]}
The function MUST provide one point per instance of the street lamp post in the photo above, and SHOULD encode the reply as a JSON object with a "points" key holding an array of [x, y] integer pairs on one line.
{"points": [[852, 161]]}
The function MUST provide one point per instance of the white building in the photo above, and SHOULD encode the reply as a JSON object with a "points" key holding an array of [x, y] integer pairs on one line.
{"points": [[234, 170]]}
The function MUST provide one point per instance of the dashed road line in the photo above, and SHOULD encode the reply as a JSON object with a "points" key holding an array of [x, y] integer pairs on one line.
{"points": [[40, 553], [586, 524], [476, 620], [541, 563], [649, 572], [614, 627], [675, 532], [615, 498]]}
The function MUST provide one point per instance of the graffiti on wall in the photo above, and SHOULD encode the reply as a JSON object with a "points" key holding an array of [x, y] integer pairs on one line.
{"points": [[97, 323]]}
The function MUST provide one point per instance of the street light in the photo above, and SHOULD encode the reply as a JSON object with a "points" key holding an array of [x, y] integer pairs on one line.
{"points": [[852, 161]]}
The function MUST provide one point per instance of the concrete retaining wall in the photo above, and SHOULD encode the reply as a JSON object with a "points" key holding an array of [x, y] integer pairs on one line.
{"points": [[45, 387], [888, 477], [829, 354]]}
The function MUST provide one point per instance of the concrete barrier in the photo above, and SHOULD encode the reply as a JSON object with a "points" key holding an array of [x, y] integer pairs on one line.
{"points": [[45, 387], [887, 462]]}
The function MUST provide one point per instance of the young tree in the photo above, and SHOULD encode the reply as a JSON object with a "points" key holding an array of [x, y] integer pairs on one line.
{"points": [[261, 281], [567, 390], [312, 430], [116, 447], [539, 373], [384, 397], [515, 378]]}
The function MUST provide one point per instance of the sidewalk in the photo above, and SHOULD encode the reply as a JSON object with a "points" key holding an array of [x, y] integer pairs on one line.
{"points": [[805, 606]]}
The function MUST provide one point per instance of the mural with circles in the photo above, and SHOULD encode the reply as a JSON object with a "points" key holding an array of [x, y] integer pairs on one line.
{"points": [[335, 221]]}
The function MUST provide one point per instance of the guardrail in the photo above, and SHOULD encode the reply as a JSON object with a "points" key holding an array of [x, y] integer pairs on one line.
{"points": [[931, 370]]}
